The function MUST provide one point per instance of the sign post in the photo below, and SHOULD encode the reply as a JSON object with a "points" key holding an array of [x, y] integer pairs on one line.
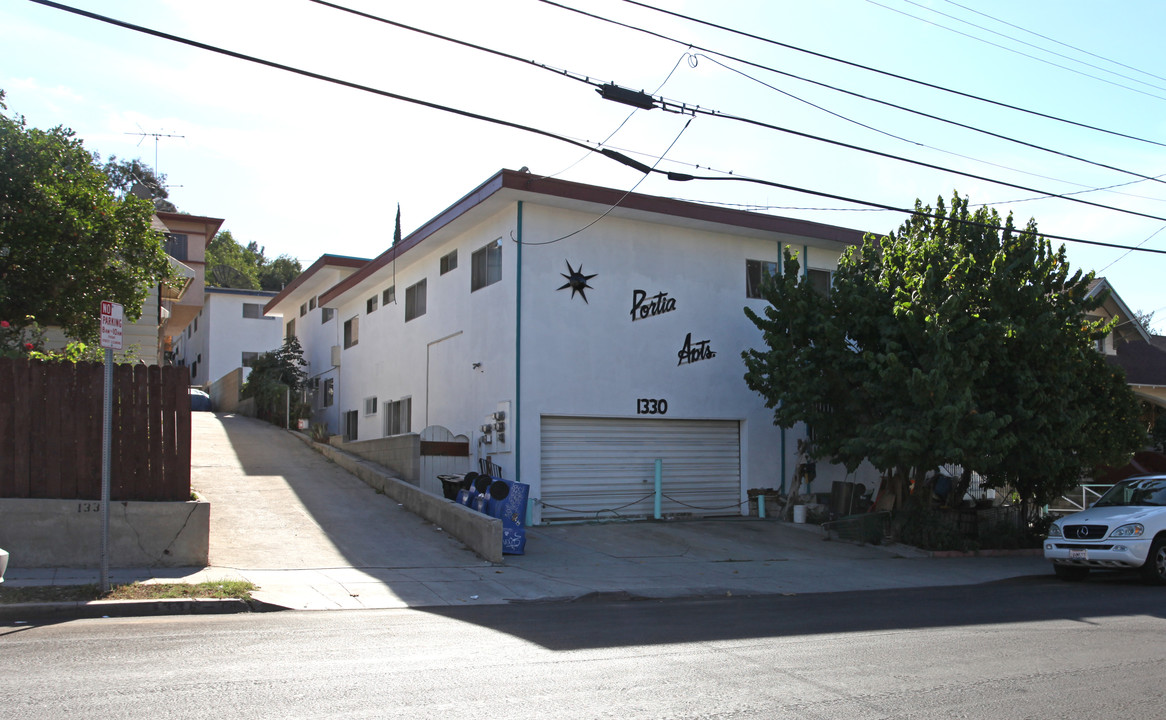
{"points": [[112, 318]]}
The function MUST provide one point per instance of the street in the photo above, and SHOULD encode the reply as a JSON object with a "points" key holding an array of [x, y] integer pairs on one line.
{"points": [[1026, 648]]}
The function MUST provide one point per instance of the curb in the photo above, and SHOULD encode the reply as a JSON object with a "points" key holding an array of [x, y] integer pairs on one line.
{"points": [[1021, 552], [20, 613]]}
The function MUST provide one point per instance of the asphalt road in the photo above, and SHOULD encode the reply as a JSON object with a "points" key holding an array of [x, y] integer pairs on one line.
{"points": [[1031, 648]]}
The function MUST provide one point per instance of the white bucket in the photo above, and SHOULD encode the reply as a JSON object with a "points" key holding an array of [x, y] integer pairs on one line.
{"points": [[799, 513]]}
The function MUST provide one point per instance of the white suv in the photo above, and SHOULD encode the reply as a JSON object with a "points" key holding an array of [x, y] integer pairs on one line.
{"points": [[1125, 528]]}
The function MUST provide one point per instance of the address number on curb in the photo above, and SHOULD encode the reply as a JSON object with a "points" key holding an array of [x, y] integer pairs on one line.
{"points": [[651, 406], [88, 507]]}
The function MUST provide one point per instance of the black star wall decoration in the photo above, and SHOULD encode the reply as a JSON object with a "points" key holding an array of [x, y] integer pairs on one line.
{"points": [[577, 281]]}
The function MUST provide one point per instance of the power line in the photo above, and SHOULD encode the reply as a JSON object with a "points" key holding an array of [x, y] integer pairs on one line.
{"points": [[1014, 51], [619, 157], [823, 56], [588, 79], [1054, 40]]}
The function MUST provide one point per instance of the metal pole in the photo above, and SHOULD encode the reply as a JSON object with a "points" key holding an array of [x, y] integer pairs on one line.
{"points": [[659, 489], [106, 437], [287, 408]]}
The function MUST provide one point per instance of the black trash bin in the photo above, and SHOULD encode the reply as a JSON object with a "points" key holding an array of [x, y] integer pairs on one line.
{"points": [[842, 497]]}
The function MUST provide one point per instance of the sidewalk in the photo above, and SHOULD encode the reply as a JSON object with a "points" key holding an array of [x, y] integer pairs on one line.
{"points": [[313, 537]]}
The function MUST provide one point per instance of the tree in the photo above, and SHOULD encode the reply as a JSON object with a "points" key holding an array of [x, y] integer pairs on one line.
{"points": [[276, 380], [956, 340], [230, 264], [126, 175], [66, 241], [397, 229]]}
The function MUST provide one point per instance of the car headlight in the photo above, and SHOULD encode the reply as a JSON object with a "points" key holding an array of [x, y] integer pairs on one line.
{"points": [[1131, 530], [1055, 531]]}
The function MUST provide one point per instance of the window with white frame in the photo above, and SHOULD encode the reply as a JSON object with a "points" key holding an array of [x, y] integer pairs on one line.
{"points": [[486, 265], [448, 262], [370, 405], [398, 416], [755, 272], [415, 301], [820, 280], [327, 314], [252, 310], [370, 305], [351, 332]]}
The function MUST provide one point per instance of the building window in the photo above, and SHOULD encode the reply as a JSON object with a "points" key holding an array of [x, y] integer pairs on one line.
{"points": [[312, 304], [303, 309], [389, 295], [291, 328], [350, 425], [175, 246], [327, 314], [755, 271], [370, 405], [249, 359], [351, 332], [328, 392], [370, 305], [820, 280], [486, 266], [415, 301], [398, 416], [252, 310], [196, 324], [448, 262]]}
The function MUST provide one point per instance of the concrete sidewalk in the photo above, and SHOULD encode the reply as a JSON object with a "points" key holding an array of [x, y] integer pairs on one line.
{"points": [[313, 537]]}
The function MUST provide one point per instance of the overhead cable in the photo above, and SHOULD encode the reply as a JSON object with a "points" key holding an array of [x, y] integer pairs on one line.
{"points": [[850, 63], [525, 128]]}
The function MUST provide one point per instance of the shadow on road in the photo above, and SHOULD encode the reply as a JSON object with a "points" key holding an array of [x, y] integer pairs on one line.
{"points": [[603, 624]]}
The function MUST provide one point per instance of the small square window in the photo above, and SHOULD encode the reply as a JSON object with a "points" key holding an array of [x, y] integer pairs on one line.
{"points": [[820, 280], [303, 309], [389, 296], [370, 305], [327, 314], [291, 328], [448, 262], [312, 304], [755, 271], [249, 359], [252, 310], [398, 416], [370, 405]]}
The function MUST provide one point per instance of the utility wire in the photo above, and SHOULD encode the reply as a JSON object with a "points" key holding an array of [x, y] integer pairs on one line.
{"points": [[543, 133], [1035, 47], [850, 63], [1014, 51], [1053, 40], [590, 80]]}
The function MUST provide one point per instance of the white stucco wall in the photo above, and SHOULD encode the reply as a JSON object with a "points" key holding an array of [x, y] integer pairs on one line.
{"points": [[458, 362], [220, 334]]}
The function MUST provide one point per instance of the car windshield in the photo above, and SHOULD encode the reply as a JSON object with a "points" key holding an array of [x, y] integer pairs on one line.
{"points": [[1138, 491]]}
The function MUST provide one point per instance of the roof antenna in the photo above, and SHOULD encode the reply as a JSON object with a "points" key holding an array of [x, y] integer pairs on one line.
{"points": [[156, 136]]}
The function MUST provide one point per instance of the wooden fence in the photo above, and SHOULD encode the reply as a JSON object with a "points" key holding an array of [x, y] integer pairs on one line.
{"points": [[51, 423]]}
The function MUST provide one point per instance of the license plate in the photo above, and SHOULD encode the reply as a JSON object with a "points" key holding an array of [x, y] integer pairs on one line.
{"points": [[1078, 555]]}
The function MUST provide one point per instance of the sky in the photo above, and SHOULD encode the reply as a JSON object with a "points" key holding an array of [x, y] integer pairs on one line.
{"points": [[305, 167]]}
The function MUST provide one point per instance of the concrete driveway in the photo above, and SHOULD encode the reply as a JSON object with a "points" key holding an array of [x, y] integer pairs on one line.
{"points": [[312, 536]]}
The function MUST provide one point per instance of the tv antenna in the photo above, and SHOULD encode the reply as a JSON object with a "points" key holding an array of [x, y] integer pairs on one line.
{"points": [[156, 136]]}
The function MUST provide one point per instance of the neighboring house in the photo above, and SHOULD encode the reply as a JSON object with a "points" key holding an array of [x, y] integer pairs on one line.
{"points": [[229, 332], [186, 239], [317, 329], [1131, 347], [573, 355], [168, 306]]}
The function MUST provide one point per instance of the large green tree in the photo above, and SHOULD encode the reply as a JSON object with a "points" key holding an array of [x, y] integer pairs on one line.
{"points": [[957, 339], [275, 382], [67, 242]]}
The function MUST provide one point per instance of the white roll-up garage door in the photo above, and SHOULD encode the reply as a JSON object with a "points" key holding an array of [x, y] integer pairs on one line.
{"points": [[598, 467]]}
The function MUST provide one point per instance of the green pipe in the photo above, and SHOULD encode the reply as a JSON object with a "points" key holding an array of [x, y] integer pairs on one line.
{"points": [[516, 414], [761, 506], [659, 490]]}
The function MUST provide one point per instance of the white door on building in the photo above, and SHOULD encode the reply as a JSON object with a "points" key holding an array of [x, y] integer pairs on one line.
{"points": [[605, 467]]}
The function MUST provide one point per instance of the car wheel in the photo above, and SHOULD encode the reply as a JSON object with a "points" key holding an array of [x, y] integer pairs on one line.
{"points": [[1072, 573], [1154, 571]]}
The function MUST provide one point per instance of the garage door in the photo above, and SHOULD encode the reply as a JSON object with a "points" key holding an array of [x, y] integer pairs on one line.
{"points": [[600, 467]]}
